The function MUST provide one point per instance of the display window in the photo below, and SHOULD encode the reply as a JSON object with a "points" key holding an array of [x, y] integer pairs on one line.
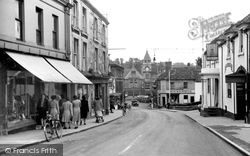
{"points": [[20, 96]]}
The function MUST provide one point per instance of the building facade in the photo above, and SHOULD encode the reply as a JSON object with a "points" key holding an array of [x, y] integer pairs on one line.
{"points": [[133, 83], [225, 77], [89, 46], [180, 88], [35, 49], [116, 88]]}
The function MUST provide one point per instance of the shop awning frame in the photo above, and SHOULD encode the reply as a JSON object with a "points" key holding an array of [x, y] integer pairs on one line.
{"points": [[69, 71], [39, 67]]}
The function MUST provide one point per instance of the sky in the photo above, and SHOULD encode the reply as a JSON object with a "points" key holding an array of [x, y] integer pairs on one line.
{"points": [[161, 26]]}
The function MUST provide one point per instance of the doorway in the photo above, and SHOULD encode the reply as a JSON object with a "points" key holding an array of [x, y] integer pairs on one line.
{"points": [[240, 93]]}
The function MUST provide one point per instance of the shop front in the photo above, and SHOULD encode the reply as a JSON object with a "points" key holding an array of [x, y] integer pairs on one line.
{"points": [[23, 79]]}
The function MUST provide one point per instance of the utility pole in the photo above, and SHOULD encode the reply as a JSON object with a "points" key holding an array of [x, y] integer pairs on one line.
{"points": [[168, 68]]}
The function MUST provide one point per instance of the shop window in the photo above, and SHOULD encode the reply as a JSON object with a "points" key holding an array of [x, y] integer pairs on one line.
{"points": [[20, 96], [185, 97]]}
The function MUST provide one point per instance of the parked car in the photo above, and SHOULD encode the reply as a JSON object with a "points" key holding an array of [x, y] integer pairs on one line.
{"points": [[135, 103]]}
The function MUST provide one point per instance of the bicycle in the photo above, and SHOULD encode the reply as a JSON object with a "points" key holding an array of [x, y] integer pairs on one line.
{"points": [[52, 127]]}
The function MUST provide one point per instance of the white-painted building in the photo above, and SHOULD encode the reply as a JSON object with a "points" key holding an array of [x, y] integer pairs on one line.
{"points": [[225, 79]]}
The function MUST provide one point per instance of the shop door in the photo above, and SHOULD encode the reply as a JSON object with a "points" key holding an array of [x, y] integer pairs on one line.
{"points": [[240, 93], [163, 101]]}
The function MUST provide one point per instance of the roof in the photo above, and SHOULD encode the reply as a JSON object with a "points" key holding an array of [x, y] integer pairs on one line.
{"points": [[129, 75], [116, 65], [181, 73], [147, 57]]}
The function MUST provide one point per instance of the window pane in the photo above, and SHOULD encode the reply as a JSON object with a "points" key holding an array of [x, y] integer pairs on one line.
{"points": [[17, 9], [38, 37], [18, 29]]}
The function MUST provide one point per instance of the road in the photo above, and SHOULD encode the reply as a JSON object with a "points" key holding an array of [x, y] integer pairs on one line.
{"points": [[144, 132]]}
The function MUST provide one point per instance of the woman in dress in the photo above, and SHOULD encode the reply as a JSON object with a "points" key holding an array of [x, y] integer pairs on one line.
{"points": [[67, 113], [42, 107], [76, 111], [84, 110], [54, 108]]}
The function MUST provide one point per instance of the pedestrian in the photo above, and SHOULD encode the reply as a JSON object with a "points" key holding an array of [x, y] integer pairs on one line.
{"points": [[84, 110], [60, 106], [54, 108], [112, 105], [76, 111], [67, 113], [98, 107], [42, 108], [152, 103]]}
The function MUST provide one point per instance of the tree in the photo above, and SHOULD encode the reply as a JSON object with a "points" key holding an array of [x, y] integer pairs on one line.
{"points": [[117, 61], [198, 62]]}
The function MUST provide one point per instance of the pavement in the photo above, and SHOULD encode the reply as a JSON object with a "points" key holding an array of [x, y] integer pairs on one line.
{"points": [[234, 132]]}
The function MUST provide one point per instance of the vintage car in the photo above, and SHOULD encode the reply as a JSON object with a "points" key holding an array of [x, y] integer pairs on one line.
{"points": [[135, 103]]}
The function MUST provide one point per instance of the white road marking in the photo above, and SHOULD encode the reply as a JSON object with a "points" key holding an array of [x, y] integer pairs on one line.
{"points": [[127, 148]]}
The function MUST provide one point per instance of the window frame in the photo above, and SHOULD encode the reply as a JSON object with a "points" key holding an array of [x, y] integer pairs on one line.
{"points": [[75, 61], [55, 32], [185, 85], [84, 19], [84, 55], [19, 20], [104, 61], [95, 30], [39, 29], [96, 59]]}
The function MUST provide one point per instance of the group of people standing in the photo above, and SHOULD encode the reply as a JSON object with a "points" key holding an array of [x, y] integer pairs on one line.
{"points": [[61, 108]]}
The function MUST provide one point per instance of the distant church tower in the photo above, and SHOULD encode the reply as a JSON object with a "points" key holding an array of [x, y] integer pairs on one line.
{"points": [[146, 72]]}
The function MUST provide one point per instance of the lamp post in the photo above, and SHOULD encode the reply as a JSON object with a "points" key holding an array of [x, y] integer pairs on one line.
{"points": [[168, 68]]}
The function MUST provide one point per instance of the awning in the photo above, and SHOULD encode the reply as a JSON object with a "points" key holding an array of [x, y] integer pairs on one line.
{"points": [[69, 71], [39, 67], [236, 78]]}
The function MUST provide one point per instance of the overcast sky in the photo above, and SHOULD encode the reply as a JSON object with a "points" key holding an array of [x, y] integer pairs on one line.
{"points": [[140, 25]]}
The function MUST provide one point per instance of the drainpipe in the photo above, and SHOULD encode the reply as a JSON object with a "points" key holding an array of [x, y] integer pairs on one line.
{"points": [[247, 82], [234, 85], [222, 103]]}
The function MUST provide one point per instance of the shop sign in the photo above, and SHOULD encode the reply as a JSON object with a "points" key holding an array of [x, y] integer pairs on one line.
{"points": [[181, 91], [209, 28]]}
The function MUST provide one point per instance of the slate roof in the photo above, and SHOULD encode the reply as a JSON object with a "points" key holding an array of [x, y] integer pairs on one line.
{"points": [[147, 57], [129, 75], [181, 73]]}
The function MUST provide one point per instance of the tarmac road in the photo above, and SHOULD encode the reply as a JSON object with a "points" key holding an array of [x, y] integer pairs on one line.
{"points": [[144, 132]]}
